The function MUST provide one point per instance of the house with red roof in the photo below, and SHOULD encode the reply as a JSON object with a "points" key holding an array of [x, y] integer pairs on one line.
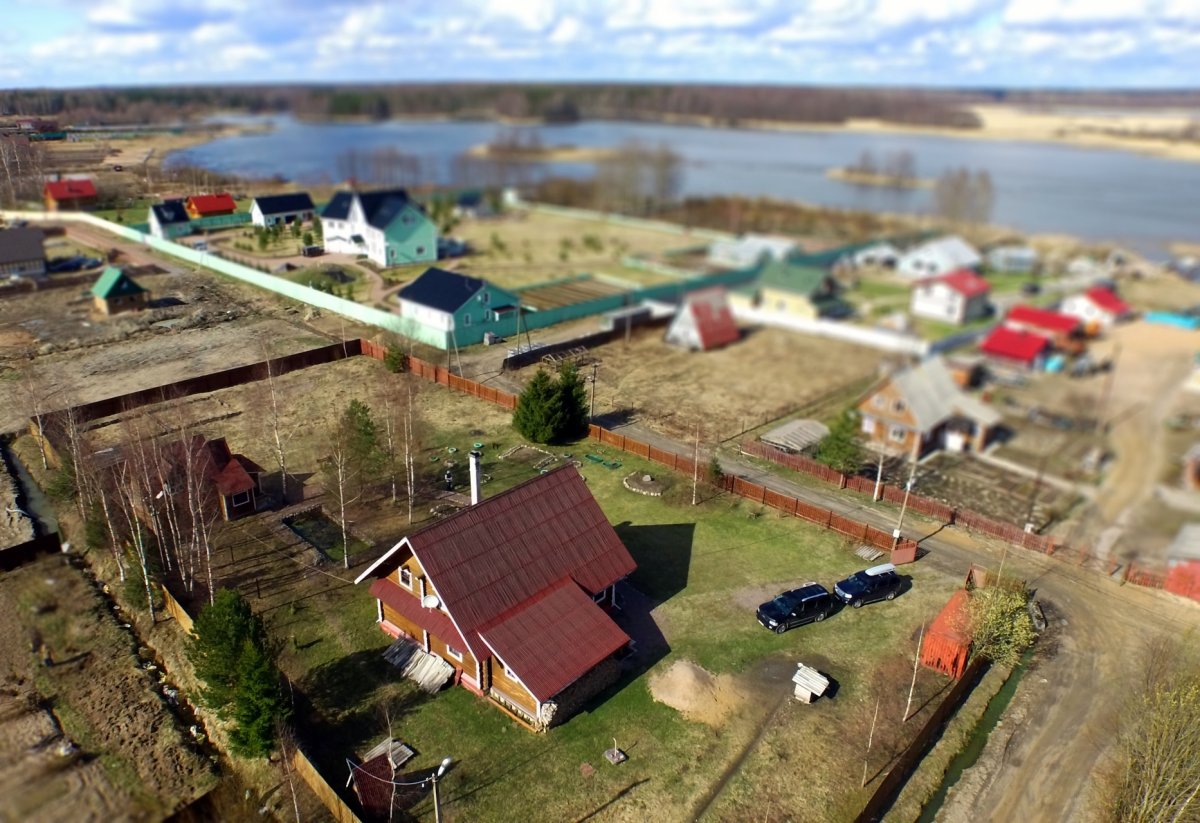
{"points": [[1097, 308], [958, 297], [232, 479], [69, 195], [513, 593], [704, 322], [1012, 347], [1041, 321], [209, 205]]}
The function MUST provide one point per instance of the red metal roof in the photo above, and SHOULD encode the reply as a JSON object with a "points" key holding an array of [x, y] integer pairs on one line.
{"points": [[211, 203], [1108, 301], [965, 282], [713, 318], [554, 638], [1014, 345], [70, 189], [434, 621], [489, 558], [1044, 319]]}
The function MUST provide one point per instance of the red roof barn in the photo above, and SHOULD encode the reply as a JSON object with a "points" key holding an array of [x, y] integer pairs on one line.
{"points": [[511, 592], [1040, 321], [1015, 347], [704, 322], [947, 644], [69, 195], [209, 205]]}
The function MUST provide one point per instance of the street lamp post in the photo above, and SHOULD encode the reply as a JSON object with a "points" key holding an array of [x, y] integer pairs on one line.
{"points": [[437, 805], [904, 506], [592, 408]]}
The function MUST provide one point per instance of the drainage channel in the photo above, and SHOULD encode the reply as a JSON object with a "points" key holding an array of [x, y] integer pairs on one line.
{"points": [[979, 737]]}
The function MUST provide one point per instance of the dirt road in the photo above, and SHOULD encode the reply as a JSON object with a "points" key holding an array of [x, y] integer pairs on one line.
{"points": [[1040, 767]]}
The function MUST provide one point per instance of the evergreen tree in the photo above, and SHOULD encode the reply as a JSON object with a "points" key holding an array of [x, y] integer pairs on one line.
{"points": [[840, 450], [258, 704], [531, 418], [550, 411], [362, 439], [219, 636]]}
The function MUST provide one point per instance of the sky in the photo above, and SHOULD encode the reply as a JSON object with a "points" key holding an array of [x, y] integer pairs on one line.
{"points": [[989, 43]]}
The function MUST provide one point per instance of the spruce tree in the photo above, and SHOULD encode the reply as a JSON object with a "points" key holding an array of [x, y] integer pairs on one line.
{"points": [[219, 635], [258, 703], [535, 406], [571, 407]]}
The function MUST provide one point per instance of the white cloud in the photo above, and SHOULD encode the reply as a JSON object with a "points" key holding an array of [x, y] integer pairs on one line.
{"points": [[567, 30], [1050, 12]]}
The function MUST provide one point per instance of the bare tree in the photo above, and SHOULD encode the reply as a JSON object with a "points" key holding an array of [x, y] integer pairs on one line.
{"points": [[342, 482], [964, 196], [274, 421]]}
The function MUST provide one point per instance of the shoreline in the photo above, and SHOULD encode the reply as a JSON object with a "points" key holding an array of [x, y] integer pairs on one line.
{"points": [[856, 177], [545, 154]]}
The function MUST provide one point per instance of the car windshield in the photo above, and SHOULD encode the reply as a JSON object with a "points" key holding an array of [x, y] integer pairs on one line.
{"points": [[783, 603], [854, 584]]}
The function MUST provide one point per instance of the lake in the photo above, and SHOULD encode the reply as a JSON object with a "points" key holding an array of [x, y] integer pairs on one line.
{"points": [[1135, 200]]}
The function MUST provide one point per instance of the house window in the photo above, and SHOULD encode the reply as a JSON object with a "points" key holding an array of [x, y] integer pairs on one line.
{"points": [[420, 249], [880, 401], [407, 219], [240, 499], [406, 577], [486, 298], [453, 652], [898, 406], [510, 674], [897, 434], [466, 319]]}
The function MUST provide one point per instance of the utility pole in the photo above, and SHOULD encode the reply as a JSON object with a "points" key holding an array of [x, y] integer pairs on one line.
{"points": [[904, 506], [878, 478], [592, 408]]}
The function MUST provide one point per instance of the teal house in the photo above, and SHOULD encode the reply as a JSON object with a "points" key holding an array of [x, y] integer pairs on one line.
{"points": [[464, 308], [387, 226]]}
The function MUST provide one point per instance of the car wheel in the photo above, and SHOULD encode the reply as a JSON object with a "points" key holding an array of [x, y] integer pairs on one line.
{"points": [[780, 629], [891, 595], [820, 616], [858, 604]]}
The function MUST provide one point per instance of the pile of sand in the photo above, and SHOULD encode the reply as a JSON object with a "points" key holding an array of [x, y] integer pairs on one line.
{"points": [[695, 693]]}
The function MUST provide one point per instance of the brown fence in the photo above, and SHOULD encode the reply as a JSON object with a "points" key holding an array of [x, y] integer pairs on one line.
{"points": [[324, 792]]}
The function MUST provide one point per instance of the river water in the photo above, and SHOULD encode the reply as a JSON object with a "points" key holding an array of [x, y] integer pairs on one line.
{"points": [[1135, 200]]}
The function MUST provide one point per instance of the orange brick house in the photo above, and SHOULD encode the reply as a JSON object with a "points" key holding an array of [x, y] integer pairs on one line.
{"points": [[514, 593], [922, 408]]}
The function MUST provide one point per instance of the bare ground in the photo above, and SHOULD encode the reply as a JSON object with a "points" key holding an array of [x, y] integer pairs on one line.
{"points": [[133, 762]]}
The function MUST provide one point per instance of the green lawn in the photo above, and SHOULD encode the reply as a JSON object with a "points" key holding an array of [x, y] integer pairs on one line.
{"points": [[706, 565], [320, 277]]}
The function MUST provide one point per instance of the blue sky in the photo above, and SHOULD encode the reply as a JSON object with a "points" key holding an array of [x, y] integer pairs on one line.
{"points": [[1072, 43]]}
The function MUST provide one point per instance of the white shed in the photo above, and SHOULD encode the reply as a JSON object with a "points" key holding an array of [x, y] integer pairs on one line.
{"points": [[749, 250], [937, 257]]}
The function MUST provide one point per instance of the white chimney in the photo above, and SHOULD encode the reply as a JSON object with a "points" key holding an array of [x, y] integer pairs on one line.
{"points": [[476, 494]]}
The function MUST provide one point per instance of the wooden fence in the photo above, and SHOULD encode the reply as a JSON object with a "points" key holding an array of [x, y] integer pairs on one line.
{"points": [[936, 509], [324, 792], [176, 610]]}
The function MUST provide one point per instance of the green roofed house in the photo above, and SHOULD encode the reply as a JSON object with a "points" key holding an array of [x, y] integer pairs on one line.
{"points": [[788, 288], [116, 292]]}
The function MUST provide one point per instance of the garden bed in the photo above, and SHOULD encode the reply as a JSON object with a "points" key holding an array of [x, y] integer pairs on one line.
{"points": [[322, 532]]}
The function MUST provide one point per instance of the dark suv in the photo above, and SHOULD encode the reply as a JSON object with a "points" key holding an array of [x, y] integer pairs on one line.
{"points": [[808, 604], [876, 583]]}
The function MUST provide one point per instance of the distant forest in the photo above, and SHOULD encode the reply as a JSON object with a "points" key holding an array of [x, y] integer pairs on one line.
{"points": [[720, 104]]}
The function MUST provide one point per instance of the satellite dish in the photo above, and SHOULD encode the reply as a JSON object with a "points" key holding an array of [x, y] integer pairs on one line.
{"points": [[430, 601]]}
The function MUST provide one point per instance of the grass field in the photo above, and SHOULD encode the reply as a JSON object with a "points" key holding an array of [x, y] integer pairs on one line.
{"points": [[529, 247]]}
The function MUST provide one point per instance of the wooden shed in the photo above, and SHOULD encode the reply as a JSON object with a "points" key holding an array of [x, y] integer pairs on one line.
{"points": [[948, 642]]}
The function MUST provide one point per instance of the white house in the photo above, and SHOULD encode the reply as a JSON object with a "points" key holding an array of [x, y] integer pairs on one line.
{"points": [[389, 227], [1012, 259], [877, 254], [282, 208], [1098, 308], [937, 257], [749, 250], [958, 297]]}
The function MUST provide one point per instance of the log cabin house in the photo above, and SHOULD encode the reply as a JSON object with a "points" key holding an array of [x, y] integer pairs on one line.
{"points": [[515, 593]]}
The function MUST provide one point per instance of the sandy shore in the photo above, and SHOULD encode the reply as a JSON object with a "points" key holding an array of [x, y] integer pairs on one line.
{"points": [[1116, 129], [887, 181], [546, 154]]}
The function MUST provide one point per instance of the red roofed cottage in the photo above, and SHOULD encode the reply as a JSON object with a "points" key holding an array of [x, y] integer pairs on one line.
{"points": [[69, 195], [958, 297], [1097, 308], [209, 205], [1018, 348], [704, 322], [513, 593]]}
